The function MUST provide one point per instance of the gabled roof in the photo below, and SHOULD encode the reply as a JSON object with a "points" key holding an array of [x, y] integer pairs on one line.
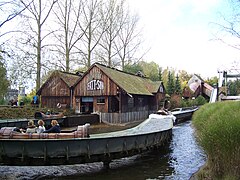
{"points": [[130, 83], [69, 78]]}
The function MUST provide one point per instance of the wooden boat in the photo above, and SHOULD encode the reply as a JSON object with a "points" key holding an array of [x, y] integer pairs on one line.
{"points": [[183, 114], [79, 147], [42, 115]]}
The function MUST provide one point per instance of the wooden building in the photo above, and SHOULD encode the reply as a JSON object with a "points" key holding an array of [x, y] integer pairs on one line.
{"points": [[112, 92], [58, 90]]}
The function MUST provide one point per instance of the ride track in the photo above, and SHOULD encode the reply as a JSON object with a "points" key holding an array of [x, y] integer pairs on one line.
{"points": [[153, 132]]}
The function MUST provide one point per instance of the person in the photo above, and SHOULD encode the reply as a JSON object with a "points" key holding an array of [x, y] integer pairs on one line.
{"points": [[31, 128], [55, 127], [41, 128]]}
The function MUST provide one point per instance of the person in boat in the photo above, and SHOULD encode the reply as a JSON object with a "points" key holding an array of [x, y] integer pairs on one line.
{"points": [[41, 128], [55, 127], [31, 128]]}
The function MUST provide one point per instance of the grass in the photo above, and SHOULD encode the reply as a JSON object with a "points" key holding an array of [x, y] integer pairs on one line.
{"points": [[218, 132]]}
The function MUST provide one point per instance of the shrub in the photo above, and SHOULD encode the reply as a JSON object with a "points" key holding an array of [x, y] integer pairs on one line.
{"points": [[218, 132]]}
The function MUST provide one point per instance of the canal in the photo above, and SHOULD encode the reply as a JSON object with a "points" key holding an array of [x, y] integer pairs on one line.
{"points": [[178, 160]]}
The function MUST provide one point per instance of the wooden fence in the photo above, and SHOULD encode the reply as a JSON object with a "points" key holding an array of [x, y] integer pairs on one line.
{"points": [[122, 118]]}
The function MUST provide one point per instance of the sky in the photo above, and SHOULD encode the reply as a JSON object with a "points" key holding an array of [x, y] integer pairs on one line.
{"points": [[181, 34]]}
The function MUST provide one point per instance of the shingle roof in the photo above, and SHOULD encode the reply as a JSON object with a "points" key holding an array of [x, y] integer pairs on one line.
{"points": [[69, 78], [130, 83]]}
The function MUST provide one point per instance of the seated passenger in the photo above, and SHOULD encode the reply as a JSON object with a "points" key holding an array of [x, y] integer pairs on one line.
{"points": [[41, 126], [31, 128], [55, 127]]}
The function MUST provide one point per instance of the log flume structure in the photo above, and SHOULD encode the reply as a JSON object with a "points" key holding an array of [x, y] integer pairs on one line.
{"points": [[104, 147]]}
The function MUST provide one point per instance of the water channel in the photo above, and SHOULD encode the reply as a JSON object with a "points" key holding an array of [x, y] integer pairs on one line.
{"points": [[177, 161]]}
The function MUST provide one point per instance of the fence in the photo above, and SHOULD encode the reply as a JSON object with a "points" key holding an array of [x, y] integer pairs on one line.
{"points": [[121, 118]]}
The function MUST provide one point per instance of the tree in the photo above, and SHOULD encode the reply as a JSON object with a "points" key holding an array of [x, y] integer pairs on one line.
{"points": [[9, 10], [68, 15], [212, 81], [114, 11], [134, 68], [160, 73], [150, 70], [170, 83], [3, 79], [128, 40], [37, 16], [178, 89], [228, 26], [94, 24]]}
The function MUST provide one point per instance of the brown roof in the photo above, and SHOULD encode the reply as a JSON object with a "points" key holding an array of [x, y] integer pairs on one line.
{"points": [[69, 78]]}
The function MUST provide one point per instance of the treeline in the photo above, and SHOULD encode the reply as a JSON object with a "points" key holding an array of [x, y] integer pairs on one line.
{"points": [[39, 36]]}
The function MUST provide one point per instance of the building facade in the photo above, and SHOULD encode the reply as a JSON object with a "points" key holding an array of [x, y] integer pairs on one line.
{"points": [[108, 90], [57, 91]]}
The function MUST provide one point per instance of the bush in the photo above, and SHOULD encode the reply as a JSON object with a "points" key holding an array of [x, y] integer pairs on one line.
{"points": [[26, 100], [218, 131], [2, 102], [200, 100]]}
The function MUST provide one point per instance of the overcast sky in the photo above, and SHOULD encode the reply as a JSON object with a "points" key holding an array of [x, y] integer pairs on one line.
{"points": [[180, 34]]}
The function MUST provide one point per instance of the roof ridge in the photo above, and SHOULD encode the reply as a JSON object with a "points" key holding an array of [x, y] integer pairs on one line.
{"points": [[121, 70]]}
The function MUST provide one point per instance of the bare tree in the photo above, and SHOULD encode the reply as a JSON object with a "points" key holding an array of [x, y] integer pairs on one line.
{"points": [[228, 26], [128, 39], [9, 10], [122, 37], [37, 14], [68, 15], [114, 10], [93, 18]]}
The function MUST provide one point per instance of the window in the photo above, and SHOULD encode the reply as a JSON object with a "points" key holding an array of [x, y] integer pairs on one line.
{"points": [[101, 100]]}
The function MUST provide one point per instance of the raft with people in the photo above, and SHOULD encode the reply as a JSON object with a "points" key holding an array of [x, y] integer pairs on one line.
{"points": [[80, 146]]}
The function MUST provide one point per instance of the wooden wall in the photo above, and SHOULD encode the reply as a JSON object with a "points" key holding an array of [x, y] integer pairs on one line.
{"points": [[55, 91], [55, 86], [95, 83]]}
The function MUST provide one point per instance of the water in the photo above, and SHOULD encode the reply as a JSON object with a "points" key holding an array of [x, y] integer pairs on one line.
{"points": [[177, 161]]}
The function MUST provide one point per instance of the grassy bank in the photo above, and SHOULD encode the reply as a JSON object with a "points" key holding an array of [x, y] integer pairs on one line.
{"points": [[218, 132]]}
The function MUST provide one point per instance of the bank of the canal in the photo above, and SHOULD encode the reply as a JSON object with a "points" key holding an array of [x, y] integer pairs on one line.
{"points": [[178, 160], [217, 127]]}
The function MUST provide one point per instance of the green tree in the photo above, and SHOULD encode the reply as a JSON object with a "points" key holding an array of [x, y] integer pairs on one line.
{"points": [[4, 81], [160, 74], [170, 83], [212, 81], [178, 89], [150, 70], [234, 87], [132, 68]]}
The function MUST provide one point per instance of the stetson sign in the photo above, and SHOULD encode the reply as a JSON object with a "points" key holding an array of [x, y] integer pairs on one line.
{"points": [[95, 84]]}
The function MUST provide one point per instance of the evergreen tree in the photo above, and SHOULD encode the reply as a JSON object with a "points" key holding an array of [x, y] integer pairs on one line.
{"points": [[160, 74], [178, 89], [170, 84]]}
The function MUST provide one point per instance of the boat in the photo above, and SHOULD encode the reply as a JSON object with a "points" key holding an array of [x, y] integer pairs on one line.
{"points": [[183, 114], [48, 115], [80, 147]]}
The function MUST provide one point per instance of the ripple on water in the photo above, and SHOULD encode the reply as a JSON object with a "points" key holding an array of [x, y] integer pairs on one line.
{"points": [[186, 156]]}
